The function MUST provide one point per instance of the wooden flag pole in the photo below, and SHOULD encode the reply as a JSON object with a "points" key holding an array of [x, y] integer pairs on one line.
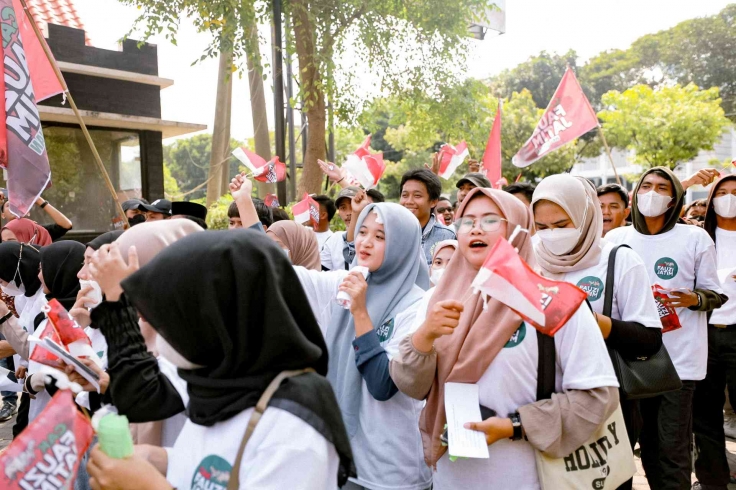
{"points": [[69, 97], [610, 157]]}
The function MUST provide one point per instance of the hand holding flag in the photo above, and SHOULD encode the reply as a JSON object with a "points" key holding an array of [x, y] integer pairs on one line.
{"points": [[271, 172], [451, 157], [366, 167]]}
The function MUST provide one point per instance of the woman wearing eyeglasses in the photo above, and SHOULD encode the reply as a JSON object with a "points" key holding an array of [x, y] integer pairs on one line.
{"points": [[460, 340]]}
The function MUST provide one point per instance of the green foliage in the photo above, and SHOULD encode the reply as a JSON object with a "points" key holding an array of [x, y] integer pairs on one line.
{"points": [[217, 213], [665, 126], [171, 187]]}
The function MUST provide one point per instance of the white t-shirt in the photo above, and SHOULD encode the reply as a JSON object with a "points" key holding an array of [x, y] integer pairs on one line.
{"points": [[726, 250], [511, 382], [683, 257], [322, 237], [632, 292], [283, 452], [331, 252], [387, 447]]}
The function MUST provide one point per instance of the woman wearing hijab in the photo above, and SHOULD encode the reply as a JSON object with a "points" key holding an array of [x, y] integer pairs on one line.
{"points": [[441, 255], [299, 242], [381, 422], [569, 223], [230, 338], [25, 231], [460, 340]]}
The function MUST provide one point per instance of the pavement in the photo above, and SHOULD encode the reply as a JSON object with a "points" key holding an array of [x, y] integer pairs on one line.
{"points": [[6, 433]]}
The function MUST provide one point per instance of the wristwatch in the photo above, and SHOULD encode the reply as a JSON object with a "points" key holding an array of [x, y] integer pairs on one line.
{"points": [[516, 423], [43, 204]]}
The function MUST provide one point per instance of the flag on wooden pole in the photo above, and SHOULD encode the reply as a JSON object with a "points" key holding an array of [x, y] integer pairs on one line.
{"points": [[568, 116], [492, 155], [28, 77]]}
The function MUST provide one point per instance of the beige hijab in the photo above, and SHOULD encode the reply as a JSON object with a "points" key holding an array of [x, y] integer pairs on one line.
{"points": [[301, 242], [578, 198], [149, 239], [466, 354]]}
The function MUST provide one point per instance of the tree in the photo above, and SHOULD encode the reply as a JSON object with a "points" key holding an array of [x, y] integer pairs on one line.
{"points": [[664, 126]]}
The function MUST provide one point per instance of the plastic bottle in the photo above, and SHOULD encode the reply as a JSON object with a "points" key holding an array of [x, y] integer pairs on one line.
{"points": [[113, 433], [343, 299]]}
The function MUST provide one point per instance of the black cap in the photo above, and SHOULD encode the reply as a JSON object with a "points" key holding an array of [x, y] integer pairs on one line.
{"points": [[475, 178], [133, 204], [347, 192], [187, 208], [162, 206]]}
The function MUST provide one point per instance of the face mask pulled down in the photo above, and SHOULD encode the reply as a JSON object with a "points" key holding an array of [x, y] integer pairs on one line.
{"points": [[95, 294], [652, 204], [725, 206], [12, 290]]}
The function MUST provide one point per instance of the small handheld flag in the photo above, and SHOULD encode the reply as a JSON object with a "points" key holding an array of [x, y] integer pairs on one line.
{"points": [[451, 157], [306, 210], [365, 167], [272, 171], [271, 200]]}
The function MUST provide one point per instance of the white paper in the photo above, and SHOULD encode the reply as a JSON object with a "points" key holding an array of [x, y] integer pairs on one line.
{"points": [[462, 405], [61, 353]]}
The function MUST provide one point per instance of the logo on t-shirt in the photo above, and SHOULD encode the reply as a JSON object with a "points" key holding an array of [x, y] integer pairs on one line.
{"points": [[665, 268], [518, 336], [213, 473], [385, 331], [593, 286]]}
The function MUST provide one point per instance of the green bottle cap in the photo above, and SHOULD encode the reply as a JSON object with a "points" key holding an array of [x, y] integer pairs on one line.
{"points": [[113, 433]]}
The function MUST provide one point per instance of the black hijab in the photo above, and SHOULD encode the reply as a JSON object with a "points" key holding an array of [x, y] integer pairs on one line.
{"points": [[239, 310], [104, 239], [60, 263], [10, 255]]}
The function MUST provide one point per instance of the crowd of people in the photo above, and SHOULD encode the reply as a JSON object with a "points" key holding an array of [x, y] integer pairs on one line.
{"points": [[276, 355]]}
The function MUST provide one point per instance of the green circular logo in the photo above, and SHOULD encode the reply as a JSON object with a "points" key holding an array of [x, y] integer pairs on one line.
{"points": [[593, 287], [665, 268], [518, 337], [213, 473], [385, 331]]}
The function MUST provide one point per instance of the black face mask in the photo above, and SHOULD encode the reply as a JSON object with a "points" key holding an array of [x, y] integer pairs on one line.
{"points": [[137, 219]]}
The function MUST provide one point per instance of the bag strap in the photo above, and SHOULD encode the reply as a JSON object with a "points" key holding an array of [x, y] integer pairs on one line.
{"points": [[546, 366], [233, 483], [610, 280]]}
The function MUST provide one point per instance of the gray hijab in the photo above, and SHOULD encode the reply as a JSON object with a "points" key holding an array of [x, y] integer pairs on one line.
{"points": [[399, 283]]}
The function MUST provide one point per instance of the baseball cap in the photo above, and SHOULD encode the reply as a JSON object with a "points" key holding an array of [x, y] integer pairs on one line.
{"points": [[187, 208], [347, 192], [162, 206], [475, 178], [133, 204]]}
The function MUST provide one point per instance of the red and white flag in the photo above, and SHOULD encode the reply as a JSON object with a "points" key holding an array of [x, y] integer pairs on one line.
{"points": [[451, 157], [568, 116], [272, 171], [544, 303], [492, 155], [28, 78], [271, 200], [365, 167], [306, 210]]}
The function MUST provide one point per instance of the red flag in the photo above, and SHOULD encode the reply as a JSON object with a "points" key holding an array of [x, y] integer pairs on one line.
{"points": [[492, 155], [365, 167], [29, 77], [72, 335], [568, 116], [48, 452], [451, 157], [39, 354], [272, 171], [544, 303], [271, 201], [364, 149], [306, 210]]}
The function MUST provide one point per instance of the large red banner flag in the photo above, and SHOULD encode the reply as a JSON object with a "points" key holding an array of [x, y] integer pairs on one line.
{"points": [[492, 155], [568, 116], [28, 78]]}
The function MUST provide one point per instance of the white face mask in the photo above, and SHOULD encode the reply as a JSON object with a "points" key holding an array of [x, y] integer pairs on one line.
{"points": [[725, 206], [12, 290], [559, 241], [436, 275], [167, 352], [95, 295], [652, 204]]}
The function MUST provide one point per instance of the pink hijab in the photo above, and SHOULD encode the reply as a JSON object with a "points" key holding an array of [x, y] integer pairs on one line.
{"points": [[28, 231]]}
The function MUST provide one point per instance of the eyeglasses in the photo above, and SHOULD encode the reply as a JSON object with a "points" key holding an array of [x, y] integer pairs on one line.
{"points": [[491, 222], [444, 210]]}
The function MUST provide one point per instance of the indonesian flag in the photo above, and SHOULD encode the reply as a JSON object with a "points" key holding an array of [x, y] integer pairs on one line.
{"points": [[29, 77], [492, 155], [544, 303], [306, 210], [66, 333], [47, 454], [272, 171], [365, 167], [271, 200], [568, 116], [451, 157]]}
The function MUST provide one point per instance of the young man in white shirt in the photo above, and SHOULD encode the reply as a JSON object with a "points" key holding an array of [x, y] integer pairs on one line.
{"points": [[614, 205], [711, 466], [327, 211], [680, 259]]}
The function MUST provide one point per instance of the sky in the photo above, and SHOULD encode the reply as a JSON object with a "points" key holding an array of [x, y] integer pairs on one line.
{"points": [[587, 26]]}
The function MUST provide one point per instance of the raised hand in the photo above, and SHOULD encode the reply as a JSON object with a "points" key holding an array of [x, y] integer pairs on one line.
{"points": [[241, 187], [108, 268]]}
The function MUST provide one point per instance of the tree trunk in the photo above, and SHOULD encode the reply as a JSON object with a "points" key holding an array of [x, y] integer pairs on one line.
{"points": [[258, 108], [220, 129], [312, 95], [225, 168]]}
